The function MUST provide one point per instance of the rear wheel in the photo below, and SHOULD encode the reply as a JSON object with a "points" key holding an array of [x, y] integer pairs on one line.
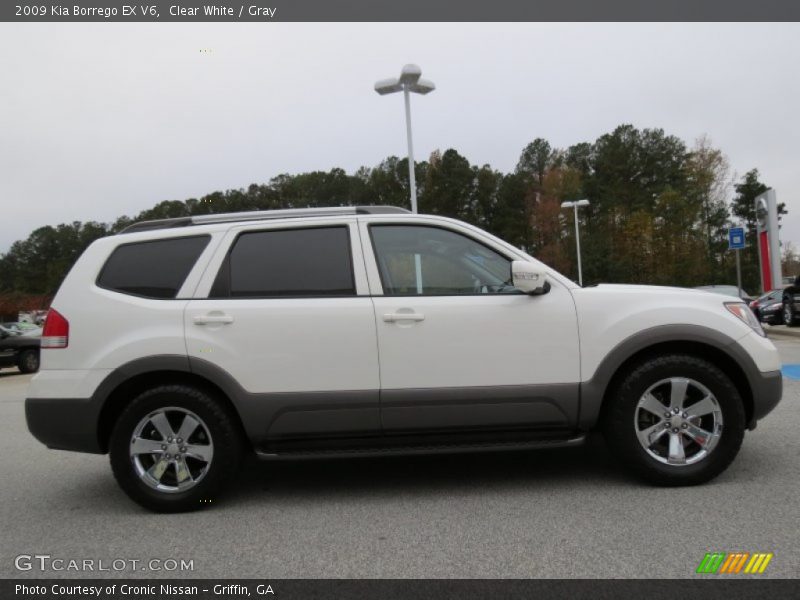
{"points": [[28, 361], [174, 448], [675, 420]]}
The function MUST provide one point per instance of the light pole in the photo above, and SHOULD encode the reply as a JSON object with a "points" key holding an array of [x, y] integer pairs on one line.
{"points": [[408, 82], [575, 204]]}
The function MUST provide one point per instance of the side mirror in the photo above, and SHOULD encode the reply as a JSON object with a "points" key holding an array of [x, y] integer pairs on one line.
{"points": [[528, 278]]}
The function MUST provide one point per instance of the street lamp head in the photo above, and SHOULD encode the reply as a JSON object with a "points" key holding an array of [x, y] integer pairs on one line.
{"points": [[423, 86], [410, 74], [409, 80], [574, 203], [388, 86]]}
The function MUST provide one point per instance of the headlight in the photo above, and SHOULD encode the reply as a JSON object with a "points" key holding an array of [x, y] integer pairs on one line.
{"points": [[746, 316]]}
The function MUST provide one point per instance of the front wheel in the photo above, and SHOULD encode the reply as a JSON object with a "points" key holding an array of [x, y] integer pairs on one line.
{"points": [[675, 420], [174, 448]]}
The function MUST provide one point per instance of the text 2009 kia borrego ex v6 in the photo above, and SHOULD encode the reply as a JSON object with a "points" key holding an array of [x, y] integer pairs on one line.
{"points": [[179, 345]]}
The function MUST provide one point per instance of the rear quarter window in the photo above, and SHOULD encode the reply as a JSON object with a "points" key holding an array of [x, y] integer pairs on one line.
{"points": [[153, 269]]}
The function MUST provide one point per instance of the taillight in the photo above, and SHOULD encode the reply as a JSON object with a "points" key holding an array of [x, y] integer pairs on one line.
{"points": [[56, 330]]}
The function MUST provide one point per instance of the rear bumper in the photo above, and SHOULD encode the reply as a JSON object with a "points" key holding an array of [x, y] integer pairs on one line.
{"points": [[767, 390], [64, 424]]}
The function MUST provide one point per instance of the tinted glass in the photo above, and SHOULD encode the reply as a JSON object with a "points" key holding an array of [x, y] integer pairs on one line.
{"points": [[449, 263], [296, 262], [155, 269]]}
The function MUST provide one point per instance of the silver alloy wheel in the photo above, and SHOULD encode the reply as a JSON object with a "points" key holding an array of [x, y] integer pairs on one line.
{"points": [[171, 449], [678, 421], [787, 314]]}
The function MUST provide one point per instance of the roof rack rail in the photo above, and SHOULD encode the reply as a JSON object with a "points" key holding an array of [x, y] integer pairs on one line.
{"points": [[259, 215]]}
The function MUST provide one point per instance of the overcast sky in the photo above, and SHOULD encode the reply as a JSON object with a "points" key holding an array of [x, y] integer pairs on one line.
{"points": [[100, 120]]}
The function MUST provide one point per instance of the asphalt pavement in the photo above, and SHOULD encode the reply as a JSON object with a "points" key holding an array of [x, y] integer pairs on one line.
{"points": [[550, 513]]}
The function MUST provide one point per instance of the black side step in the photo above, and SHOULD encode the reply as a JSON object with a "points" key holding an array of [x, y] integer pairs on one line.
{"points": [[411, 450]]}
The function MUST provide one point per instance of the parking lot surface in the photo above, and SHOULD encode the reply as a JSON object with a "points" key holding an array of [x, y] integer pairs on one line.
{"points": [[550, 513]]}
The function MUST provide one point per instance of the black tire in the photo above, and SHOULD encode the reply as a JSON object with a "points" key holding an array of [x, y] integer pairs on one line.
{"points": [[28, 361], [788, 314], [221, 426], [620, 427]]}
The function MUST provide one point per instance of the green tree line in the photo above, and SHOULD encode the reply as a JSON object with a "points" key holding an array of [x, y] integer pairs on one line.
{"points": [[659, 209]]}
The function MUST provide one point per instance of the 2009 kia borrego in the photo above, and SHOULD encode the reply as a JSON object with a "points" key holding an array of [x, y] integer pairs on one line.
{"points": [[181, 344]]}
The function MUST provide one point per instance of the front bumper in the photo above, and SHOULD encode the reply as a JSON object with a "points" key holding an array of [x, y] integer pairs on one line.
{"points": [[767, 389], [64, 424]]}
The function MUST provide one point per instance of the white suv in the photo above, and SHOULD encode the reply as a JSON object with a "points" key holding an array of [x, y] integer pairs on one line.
{"points": [[180, 344]]}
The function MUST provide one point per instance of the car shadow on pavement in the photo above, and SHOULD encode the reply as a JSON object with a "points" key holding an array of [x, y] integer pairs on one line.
{"points": [[430, 476], [590, 464]]}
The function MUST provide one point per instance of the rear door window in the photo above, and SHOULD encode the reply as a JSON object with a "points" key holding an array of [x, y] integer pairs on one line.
{"points": [[297, 263]]}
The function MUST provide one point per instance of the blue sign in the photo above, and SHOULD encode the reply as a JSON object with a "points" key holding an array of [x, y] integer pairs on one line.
{"points": [[735, 238]]}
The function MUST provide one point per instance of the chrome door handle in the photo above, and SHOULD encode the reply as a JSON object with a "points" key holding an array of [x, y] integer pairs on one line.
{"points": [[209, 319], [392, 317]]}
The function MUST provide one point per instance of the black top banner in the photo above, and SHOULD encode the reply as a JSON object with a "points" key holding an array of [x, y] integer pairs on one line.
{"points": [[405, 10]]}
